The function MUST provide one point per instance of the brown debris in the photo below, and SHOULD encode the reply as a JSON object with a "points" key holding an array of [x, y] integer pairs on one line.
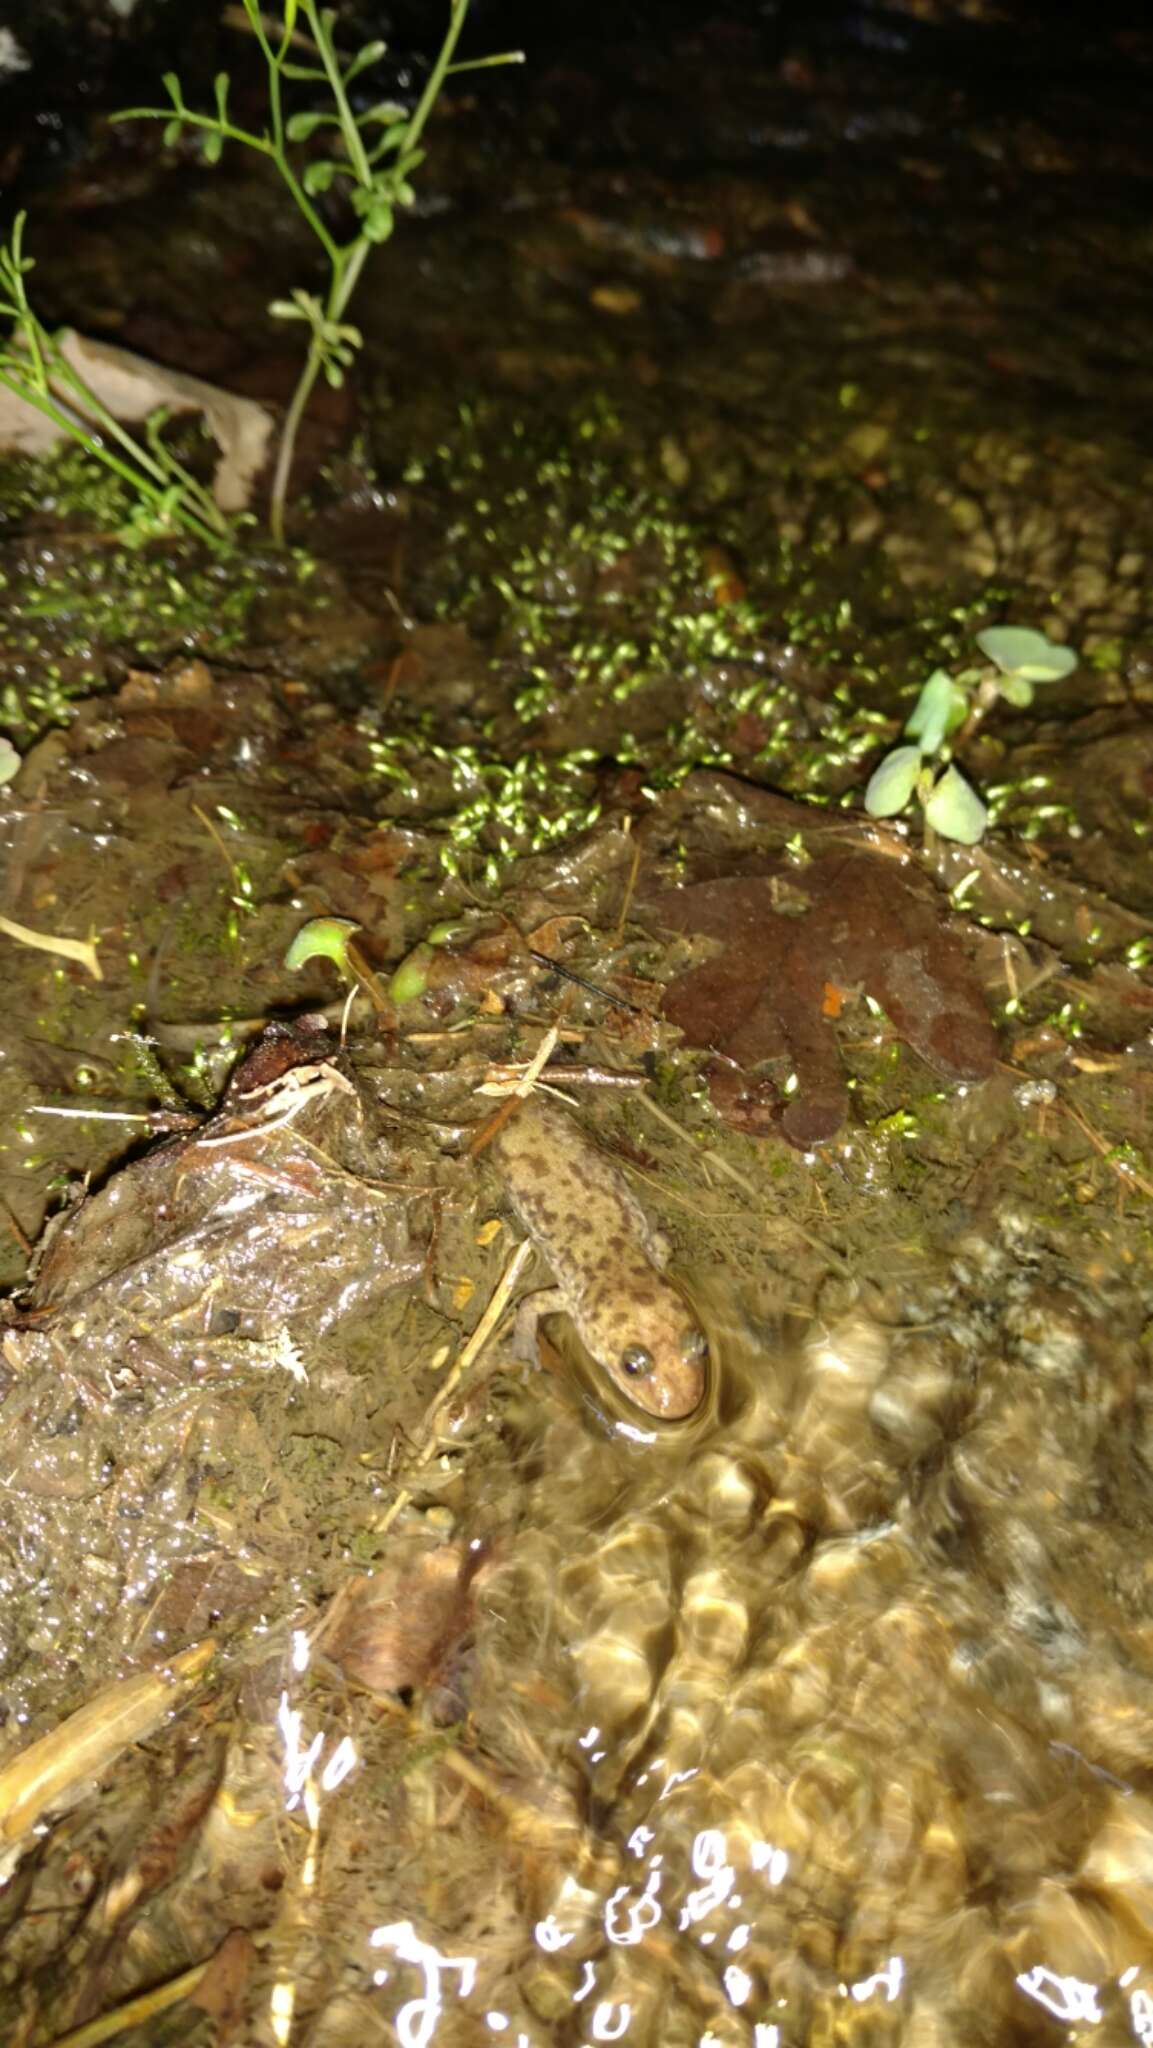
{"points": [[402, 1628], [794, 940]]}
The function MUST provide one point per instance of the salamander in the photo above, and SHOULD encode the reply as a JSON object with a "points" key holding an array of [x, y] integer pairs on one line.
{"points": [[607, 1259]]}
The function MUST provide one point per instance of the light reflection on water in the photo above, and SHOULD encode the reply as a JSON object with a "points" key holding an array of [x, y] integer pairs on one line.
{"points": [[828, 1726], [451, 1979]]}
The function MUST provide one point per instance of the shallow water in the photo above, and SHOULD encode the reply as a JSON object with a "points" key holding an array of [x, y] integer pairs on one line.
{"points": [[848, 1692]]}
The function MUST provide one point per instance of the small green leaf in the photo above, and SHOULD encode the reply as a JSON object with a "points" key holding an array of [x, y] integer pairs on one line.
{"points": [[300, 126], [323, 938], [220, 88], [938, 711], [1019, 650], [391, 141], [302, 71], [212, 146], [385, 111], [1016, 690], [173, 130], [892, 784], [377, 223], [411, 978], [171, 83], [955, 810], [370, 54], [319, 176]]}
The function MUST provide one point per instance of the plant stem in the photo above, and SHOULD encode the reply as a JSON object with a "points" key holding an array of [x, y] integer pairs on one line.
{"points": [[344, 283], [458, 9], [140, 482], [348, 127], [347, 263], [982, 704]]}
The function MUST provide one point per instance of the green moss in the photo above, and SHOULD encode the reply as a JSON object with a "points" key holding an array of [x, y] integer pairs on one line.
{"points": [[489, 811], [71, 598]]}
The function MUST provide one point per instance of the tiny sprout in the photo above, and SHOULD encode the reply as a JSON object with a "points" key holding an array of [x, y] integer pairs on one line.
{"points": [[325, 938], [1019, 651], [410, 979], [955, 810], [949, 704], [892, 783]]}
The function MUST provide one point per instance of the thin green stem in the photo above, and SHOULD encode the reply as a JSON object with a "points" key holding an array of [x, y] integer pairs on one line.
{"points": [[99, 414], [287, 448], [155, 459], [343, 285], [27, 320], [348, 127], [141, 483], [458, 9], [274, 60], [329, 244], [260, 143], [176, 472]]}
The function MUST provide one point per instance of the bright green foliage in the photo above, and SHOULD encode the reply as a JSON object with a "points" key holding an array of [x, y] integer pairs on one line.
{"points": [[410, 979], [954, 809], [373, 155], [941, 707], [892, 784], [1027, 656], [325, 938], [32, 366], [947, 704]]}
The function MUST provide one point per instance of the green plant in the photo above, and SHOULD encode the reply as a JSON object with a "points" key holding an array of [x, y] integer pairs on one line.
{"points": [[34, 367], [946, 714], [373, 155]]}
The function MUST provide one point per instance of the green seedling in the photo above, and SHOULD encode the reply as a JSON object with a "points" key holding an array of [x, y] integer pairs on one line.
{"points": [[34, 368], [410, 979], [323, 938], [334, 938], [369, 157], [947, 712]]}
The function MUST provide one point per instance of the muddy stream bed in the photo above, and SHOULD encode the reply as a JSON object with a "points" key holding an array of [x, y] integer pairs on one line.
{"points": [[373, 1665]]}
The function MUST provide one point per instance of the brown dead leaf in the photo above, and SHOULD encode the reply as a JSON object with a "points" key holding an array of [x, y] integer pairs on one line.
{"points": [[402, 1627], [775, 987]]}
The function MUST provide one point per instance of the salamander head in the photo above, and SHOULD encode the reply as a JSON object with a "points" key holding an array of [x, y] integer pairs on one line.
{"points": [[659, 1357]]}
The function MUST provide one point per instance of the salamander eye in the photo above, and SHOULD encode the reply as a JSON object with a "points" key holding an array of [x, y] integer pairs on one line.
{"points": [[694, 1345], [637, 1362]]}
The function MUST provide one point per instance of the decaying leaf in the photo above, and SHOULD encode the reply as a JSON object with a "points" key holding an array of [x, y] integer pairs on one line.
{"points": [[785, 935], [402, 1627]]}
